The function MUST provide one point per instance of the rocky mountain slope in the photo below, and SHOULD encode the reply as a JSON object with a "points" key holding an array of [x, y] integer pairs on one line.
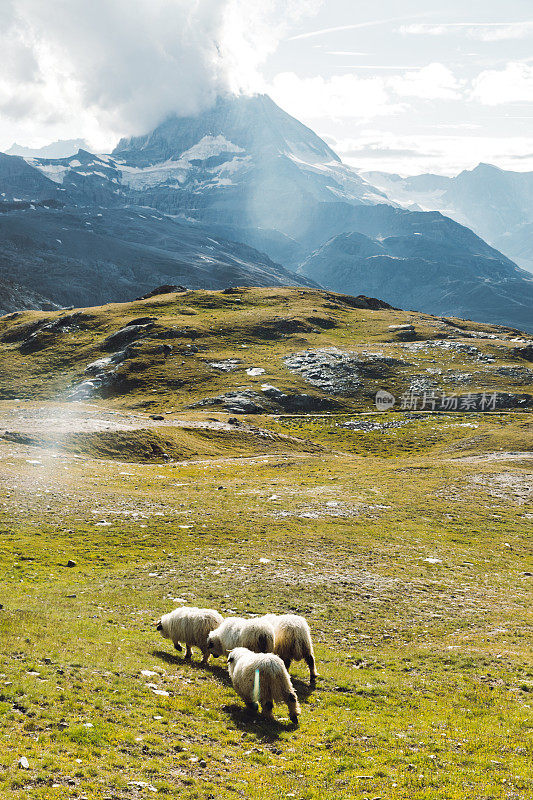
{"points": [[496, 203], [171, 206], [14, 297], [410, 267], [85, 255]]}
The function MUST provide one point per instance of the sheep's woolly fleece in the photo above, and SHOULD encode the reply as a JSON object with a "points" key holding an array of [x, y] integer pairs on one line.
{"points": [[190, 626], [254, 634], [275, 684], [292, 639]]}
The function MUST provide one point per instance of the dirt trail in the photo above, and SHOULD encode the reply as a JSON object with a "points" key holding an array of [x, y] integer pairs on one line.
{"points": [[78, 417], [512, 455]]}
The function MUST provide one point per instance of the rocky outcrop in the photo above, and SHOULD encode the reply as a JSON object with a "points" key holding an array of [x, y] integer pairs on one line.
{"points": [[126, 335], [43, 333], [362, 301], [271, 400], [330, 370], [524, 352]]}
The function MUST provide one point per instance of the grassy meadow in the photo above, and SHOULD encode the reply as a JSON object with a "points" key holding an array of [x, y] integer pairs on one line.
{"points": [[407, 547]]}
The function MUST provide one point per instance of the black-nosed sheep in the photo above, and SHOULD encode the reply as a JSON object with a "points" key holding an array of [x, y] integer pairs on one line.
{"points": [[262, 678], [190, 626], [254, 634], [292, 640]]}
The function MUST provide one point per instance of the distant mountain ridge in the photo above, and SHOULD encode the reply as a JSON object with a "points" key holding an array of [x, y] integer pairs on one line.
{"points": [[231, 195], [496, 203], [472, 276], [59, 149]]}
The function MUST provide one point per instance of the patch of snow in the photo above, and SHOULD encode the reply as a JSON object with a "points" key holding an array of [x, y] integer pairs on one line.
{"points": [[210, 146], [233, 165], [176, 169], [56, 172], [143, 177]]}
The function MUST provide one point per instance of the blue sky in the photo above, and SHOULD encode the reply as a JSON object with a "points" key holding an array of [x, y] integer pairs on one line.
{"points": [[436, 87], [439, 87]]}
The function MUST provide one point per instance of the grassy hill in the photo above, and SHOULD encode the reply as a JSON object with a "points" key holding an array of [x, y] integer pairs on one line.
{"points": [[184, 351], [404, 538]]}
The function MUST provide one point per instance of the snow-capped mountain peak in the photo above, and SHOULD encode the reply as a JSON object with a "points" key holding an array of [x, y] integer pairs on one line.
{"points": [[255, 124]]}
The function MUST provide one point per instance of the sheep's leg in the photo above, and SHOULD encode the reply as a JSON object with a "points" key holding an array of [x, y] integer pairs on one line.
{"points": [[178, 647], [205, 654], [267, 710], [188, 653], [287, 662], [251, 707], [310, 661], [294, 707]]}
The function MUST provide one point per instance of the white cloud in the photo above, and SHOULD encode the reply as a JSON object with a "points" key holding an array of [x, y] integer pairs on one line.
{"points": [[434, 81], [501, 33], [482, 31], [252, 32], [120, 66], [340, 28], [350, 96], [514, 84], [345, 53], [341, 96], [412, 154]]}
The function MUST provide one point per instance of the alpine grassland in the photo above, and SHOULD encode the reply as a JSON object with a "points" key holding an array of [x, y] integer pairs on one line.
{"points": [[144, 483]]}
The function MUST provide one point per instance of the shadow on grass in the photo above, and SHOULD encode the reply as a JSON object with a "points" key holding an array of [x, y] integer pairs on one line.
{"points": [[302, 689], [216, 670], [255, 724]]}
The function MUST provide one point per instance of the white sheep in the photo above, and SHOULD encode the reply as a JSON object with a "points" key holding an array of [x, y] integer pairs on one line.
{"points": [[254, 634], [292, 640], [262, 678], [191, 626]]}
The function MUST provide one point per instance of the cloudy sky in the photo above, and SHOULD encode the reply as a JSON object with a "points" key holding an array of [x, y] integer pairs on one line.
{"points": [[438, 87]]}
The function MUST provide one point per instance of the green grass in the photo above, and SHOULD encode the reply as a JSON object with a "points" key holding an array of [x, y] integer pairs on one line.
{"points": [[426, 668], [407, 548], [259, 326]]}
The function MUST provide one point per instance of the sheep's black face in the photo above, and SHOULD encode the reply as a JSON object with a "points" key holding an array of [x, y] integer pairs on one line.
{"points": [[159, 626], [210, 644], [231, 659]]}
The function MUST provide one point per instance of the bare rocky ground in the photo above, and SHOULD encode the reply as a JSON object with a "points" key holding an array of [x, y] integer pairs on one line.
{"points": [[80, 417]]}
